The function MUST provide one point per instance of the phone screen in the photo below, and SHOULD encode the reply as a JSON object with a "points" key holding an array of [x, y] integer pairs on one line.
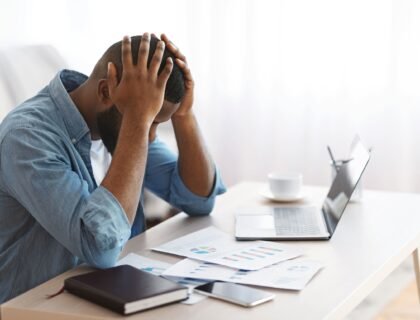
{"points": [[236, 293]]}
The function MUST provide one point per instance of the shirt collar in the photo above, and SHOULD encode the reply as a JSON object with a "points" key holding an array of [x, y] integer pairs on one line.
{"points": [[59, 87]]}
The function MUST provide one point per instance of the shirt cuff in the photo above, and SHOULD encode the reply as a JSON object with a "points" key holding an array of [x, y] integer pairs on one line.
{"points": [[106, 220], [191, 203]]}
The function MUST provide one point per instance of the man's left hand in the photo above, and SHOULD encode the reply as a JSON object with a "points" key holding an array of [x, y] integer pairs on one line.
{"points": [[187, 101]]}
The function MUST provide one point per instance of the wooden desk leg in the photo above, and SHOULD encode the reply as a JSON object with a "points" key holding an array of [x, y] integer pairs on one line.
{"points": [[416, 259]]}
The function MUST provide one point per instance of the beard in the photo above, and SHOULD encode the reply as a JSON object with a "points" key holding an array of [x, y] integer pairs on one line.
{"points": [[109, 124]]}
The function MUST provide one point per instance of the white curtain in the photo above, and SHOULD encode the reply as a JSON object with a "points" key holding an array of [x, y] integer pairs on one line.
{"points": [[276, 80]]}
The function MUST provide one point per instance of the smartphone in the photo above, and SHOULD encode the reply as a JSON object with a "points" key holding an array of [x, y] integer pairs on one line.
{"points": [[236, 293]]}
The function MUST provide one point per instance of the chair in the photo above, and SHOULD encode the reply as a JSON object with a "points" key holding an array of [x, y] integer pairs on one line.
{"points": [[24, 71]]}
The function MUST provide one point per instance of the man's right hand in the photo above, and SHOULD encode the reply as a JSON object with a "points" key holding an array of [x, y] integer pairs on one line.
{"points": [[140, 93], [139, 98]]}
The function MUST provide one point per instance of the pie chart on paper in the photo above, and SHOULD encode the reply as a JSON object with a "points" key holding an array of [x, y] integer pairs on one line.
{"points": [[203, 250]]}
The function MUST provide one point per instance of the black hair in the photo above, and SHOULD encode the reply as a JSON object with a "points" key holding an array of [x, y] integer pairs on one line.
{"points": [[174, 90]]}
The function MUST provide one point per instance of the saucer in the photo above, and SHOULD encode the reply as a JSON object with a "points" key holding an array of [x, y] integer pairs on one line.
{"points": [[266, 193]]}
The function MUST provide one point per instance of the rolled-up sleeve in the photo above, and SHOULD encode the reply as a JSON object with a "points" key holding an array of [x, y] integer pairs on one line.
{"points": [[37, 173], [163, 179]]}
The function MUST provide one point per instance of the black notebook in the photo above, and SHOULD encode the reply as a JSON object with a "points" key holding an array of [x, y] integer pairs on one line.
{"points": [[125, 289]]}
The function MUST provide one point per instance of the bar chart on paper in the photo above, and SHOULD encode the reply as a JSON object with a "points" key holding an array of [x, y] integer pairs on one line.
{"points": [[292, 274], [259, 252], [215, 246], [255, 256]]}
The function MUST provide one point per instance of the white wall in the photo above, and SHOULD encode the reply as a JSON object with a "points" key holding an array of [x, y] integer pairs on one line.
{"points": [[276, 80]]}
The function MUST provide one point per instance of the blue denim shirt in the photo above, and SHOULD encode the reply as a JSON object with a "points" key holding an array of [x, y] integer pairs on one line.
{"points": [[53, 216]]}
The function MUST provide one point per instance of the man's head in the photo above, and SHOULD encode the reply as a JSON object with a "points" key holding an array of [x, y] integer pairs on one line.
{"points": [[108, 117]]}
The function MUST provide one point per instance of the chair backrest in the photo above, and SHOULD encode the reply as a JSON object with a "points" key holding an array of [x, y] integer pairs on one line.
{"points": [[24, 71]]}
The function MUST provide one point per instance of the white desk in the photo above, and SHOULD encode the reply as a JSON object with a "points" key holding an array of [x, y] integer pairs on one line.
{"points": [[371, 240]]}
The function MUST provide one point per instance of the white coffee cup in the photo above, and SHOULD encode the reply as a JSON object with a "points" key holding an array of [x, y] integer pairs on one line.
{"points": [[285, 185]]}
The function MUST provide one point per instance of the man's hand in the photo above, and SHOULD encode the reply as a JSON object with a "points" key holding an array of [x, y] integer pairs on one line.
{"points": [[195, 165], [188, 99], [141, 90], [139, 98]]}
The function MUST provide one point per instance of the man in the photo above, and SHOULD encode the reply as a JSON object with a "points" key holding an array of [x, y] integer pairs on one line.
{"points": [[63, 199]]}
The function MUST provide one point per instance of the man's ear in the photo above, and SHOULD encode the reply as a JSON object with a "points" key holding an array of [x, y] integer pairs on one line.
{"points": [[103, 93]]}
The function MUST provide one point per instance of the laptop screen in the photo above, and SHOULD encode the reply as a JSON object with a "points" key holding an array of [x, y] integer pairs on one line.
{"points": [[344, 184]]}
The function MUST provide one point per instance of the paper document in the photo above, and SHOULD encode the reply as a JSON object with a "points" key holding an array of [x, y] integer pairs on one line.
{"points": [[157, 267], [215, 246], [292, 274], [143, 263]]}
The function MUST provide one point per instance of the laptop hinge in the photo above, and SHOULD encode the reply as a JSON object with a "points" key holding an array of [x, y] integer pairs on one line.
{"points": [[326, 222]]}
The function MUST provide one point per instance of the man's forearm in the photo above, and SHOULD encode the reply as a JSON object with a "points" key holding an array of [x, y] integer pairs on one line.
{"points": [[126, 173], [139, 97], [195, 164]]}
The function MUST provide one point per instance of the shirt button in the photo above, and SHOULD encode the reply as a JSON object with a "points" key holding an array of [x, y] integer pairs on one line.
{"points": [[73, 140]]}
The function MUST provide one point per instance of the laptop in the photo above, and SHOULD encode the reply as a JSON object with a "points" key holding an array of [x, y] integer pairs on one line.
{"points": [[306, 222]]}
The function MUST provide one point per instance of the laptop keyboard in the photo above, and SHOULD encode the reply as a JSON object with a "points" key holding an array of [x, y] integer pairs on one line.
{"points": [[296, 221]]}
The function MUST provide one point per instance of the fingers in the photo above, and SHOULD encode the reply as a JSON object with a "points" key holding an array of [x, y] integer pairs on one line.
{"points": [[166, 72], [112, 78], [185, 69], [157, 58], [180, 59], [173, 48], [143, 51], [165, 38], [127, 59]]}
